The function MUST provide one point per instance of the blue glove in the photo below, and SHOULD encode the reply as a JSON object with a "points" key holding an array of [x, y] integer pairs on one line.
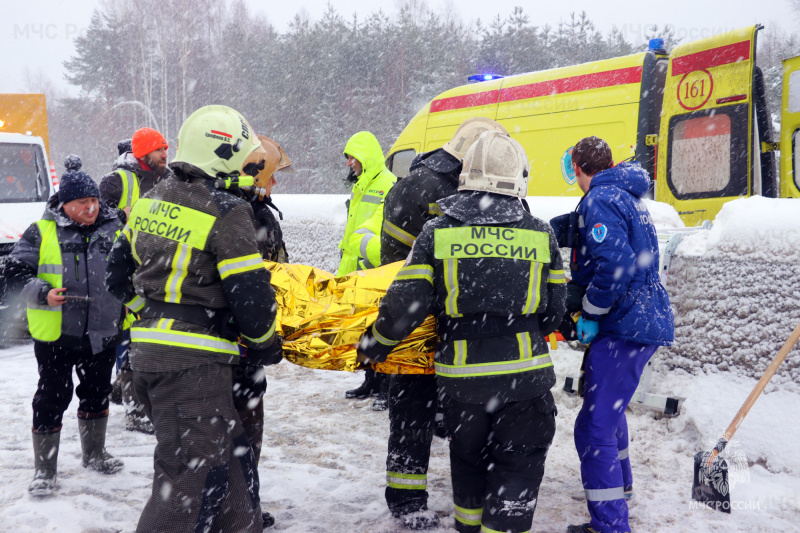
{"points": [[587, 330]]}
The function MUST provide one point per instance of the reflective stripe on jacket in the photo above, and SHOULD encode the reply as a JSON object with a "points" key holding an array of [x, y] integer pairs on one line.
{"points": [[190, 244], [44, 322], [361, 242], [489, 261], [130, 188], [63, 253], [616, 259], [412, 202]]}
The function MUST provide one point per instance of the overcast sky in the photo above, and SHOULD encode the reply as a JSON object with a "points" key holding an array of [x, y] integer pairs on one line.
{"points": [[39, 34]]}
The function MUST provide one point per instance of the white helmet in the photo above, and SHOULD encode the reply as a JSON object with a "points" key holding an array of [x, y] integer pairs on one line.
{"points": [[467, 133], [495, 163]]}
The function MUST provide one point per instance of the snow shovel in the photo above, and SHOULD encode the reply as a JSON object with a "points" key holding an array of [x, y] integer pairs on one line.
{"points": [[710, 483]]}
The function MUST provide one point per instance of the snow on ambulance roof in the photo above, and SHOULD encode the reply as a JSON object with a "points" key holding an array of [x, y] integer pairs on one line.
{"points": [[761, 228]]}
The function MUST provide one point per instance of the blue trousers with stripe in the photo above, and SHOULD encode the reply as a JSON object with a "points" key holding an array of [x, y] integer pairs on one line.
{"points": [[613, 369]]}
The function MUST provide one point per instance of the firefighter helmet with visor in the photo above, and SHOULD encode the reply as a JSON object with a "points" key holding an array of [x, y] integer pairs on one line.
{"points": [[467, 133], [495, 163]]}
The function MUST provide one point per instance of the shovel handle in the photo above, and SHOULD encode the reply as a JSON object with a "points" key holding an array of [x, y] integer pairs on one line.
{"points": [[762, 383]]}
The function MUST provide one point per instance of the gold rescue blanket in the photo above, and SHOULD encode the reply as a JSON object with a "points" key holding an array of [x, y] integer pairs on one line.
{"points": [[322, 317]]}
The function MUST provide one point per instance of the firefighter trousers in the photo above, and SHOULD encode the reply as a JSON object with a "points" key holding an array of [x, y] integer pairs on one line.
{"points": [[205, 477], [613, 368], [412, 414], [497, 457], [249, 386]]}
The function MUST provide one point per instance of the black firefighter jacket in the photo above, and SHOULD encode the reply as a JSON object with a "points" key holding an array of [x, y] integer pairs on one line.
{"points": [[412, 202], [84, 253], [268, 231], [492, 276], [189, 247]]}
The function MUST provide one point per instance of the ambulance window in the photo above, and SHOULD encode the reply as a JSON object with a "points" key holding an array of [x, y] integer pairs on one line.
{"points": [[707, 155], [23, 173], [794, 92], [400, 162]]}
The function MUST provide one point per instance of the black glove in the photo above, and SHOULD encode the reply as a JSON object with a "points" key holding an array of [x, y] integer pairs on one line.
{"points": [[575, 295], [567, 328], [269, 356]]}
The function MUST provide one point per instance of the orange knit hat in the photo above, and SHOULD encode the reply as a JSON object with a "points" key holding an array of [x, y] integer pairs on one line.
{"points": [[147, 140]]}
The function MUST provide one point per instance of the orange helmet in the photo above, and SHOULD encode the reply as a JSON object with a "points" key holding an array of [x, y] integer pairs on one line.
{"points": [[276, 159]]}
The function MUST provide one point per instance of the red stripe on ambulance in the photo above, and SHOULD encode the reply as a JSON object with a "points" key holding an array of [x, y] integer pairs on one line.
{"points": [[467, 100], [585, 82], [714, 57]]}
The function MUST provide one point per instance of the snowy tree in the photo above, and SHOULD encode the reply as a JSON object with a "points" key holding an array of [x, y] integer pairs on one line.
{"points": [[310, 88]]}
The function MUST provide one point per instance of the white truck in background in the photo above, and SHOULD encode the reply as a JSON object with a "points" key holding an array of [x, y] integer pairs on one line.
{"points": [[27, 176]]}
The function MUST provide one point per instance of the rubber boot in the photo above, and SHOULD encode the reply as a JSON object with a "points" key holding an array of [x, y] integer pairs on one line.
{"points": [[93, 445], [45, 460], [253, 422], [368, 388], [267, 520], [381, 403], [135, 418]]}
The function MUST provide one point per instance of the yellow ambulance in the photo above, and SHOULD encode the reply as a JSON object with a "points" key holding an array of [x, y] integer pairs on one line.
{"points": [[696, 119]]}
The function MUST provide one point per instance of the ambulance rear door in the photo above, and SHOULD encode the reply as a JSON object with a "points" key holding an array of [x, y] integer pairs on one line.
{"points": [[706, 138], [790, 129]]}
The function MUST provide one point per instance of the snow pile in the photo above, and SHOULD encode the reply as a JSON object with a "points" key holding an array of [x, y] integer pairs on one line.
{"points": [[664, 215], [735, 291], [759, 228], [313, 225]]}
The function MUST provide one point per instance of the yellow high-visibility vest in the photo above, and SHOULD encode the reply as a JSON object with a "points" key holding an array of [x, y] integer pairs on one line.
{"points": [[44, 322]]}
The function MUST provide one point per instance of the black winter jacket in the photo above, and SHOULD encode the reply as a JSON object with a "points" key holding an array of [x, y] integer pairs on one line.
{"points": [[268, 231], [496, 272], [156, 260], [412, 202]]}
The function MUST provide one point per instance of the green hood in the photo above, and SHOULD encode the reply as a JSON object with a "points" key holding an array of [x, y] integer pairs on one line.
{"points": [[366, 148]]}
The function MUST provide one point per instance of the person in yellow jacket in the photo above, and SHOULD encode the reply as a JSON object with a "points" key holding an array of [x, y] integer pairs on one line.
{"points": [[361, 244]]}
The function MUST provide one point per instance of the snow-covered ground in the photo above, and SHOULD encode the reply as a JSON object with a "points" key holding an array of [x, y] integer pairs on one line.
{"points": [[323, 464]]}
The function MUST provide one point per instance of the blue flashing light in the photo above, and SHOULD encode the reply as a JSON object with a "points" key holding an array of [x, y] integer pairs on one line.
{"points": [[656, 45], [477, 78]]}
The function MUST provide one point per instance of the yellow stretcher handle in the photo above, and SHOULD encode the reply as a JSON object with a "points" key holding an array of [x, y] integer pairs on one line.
{"points": [[553, 342]]}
